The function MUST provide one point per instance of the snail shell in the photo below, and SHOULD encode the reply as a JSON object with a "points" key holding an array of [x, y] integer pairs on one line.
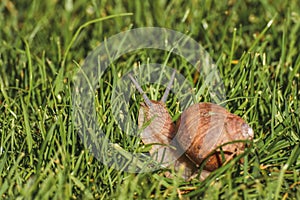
{"points": [[199, 131], [205, 126]]}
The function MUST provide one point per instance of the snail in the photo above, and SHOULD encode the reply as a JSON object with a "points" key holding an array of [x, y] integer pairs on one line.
{"points": [[195, 138]]}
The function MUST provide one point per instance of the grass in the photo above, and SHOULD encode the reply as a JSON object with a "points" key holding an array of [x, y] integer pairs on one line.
{"points": [[43, 44]]}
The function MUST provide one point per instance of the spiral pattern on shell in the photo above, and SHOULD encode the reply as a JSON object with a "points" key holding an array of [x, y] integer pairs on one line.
{"points": [[205, 126]]}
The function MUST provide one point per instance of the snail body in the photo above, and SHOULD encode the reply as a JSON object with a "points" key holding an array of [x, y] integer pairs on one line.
{"points": [[194, 138]]}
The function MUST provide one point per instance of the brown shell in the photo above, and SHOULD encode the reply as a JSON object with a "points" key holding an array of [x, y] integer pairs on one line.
{"points": [[205, 126]]}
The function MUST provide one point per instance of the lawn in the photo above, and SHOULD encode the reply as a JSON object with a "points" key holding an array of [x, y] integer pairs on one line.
{"points": [[47, 52]]}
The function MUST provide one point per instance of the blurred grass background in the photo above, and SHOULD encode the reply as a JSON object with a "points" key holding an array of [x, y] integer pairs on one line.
{"points": [[41, 154]]}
